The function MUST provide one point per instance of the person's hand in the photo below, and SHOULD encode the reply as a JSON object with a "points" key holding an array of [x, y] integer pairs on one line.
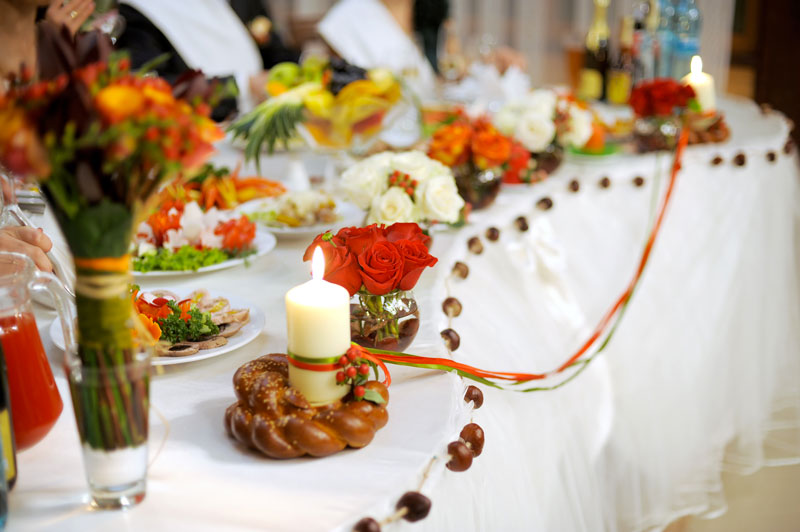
{"points": [[504, 58], [72, 13], [29, 241]]}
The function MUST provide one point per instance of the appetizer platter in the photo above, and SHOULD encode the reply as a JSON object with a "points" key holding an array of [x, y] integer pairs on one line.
{"points": [[181, 238], [302, 214], [198, 327]]}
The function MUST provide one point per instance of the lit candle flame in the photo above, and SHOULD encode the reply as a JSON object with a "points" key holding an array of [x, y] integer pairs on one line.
{"points": [[318, 264], [697, 64]]}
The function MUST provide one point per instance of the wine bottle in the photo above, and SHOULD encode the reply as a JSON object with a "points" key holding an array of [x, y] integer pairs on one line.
{"points": [[592, 83], [620, 75], [6, 427]]}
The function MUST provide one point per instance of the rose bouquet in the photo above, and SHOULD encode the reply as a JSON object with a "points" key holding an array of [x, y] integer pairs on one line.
{"points": [[480, 157], [100, 140], [545, 122], [658, 106], [378, 266], [403, 187]]}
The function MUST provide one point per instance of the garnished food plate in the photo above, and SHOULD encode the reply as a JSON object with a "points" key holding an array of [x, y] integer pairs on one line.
{"points": [[344, 214], [246, 334], [263, 243]]}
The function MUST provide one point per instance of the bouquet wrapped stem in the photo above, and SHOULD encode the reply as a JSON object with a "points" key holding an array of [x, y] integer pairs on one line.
{"points": [[111, 396]]}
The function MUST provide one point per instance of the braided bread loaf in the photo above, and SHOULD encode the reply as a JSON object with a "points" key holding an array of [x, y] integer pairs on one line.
{"points": [[277, 420]]}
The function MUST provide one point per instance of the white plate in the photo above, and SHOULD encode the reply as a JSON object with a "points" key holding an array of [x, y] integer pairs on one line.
{"points": [[264, 242], [347, 215], [246, 334]]}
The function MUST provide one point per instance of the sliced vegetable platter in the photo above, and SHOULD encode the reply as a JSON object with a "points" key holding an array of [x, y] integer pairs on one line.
{"points": [[244, 336]]}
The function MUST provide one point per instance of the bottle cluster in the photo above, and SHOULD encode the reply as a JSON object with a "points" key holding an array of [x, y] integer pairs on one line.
{"points": [[657, 39]]}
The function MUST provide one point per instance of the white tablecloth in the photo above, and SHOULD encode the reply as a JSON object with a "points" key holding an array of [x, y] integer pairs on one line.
{"points": [[706, 356]]}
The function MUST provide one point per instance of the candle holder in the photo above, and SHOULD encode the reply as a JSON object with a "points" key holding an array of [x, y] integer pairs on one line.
{"points": [[275, 419]]}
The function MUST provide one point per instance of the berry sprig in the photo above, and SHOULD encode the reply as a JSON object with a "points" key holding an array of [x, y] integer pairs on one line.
{"points": [[404, 181], [354, 372]]}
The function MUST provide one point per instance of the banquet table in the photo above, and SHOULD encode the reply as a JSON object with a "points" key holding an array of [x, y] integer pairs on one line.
{"points": [[702, 375]]}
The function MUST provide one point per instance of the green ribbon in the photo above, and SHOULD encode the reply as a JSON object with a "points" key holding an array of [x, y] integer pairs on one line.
{"points": [[307, 360]]}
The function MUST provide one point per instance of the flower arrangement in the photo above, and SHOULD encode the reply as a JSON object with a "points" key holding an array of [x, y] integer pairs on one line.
{"points": [[545, 117], [100, 139], [379, 265], [658, 106], [403, 187], [480, 156], [661, 98]]}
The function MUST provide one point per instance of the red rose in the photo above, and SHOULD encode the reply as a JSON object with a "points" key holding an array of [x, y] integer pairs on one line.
{"points": [[357, 239], [416, 258], [406, 231], [640, 102], [341, 267], [325, 241], [381, 268]]}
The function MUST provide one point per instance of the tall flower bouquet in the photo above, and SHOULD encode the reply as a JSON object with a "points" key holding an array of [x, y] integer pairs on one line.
{"points": [[100, 140], [379, 266], [403, 187]]}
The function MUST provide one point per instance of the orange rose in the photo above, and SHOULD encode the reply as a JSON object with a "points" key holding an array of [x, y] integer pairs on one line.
{"points": [[450, 144], [118, 102], [489, 147]]}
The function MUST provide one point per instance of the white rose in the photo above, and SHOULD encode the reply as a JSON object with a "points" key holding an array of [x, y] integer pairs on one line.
{"points": [[579, 128], [367, 179], [393, 206], [542, 101], [439, 200], [507, 118], [535, 131], [418, 165]]}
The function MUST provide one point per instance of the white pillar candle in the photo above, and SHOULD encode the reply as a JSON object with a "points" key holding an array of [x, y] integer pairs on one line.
{"points": [[703, 85], [318, 327]]}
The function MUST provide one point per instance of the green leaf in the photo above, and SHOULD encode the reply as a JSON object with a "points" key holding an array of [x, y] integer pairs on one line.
{"points": [[101, 230], [373, 397], [694, 105]]}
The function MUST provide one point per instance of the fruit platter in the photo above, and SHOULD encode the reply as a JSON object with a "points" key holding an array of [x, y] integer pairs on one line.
{"points": [[331, 104]]}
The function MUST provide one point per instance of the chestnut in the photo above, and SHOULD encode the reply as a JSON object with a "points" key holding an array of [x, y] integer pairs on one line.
{"points": [[451, 339], [416, 505], [475, 395], [460, 456]]}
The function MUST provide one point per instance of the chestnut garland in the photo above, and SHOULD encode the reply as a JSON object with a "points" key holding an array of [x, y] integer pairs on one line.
{"points": [[413, 505]]}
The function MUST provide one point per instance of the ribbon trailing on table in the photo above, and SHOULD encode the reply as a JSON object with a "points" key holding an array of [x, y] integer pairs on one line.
{"points": [[609, 322]]}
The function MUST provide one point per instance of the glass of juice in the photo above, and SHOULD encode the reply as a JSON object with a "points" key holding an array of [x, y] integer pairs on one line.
{"points": [[35, 401]]}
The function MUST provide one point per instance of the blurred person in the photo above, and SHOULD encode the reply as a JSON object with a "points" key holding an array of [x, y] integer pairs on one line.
{"points": [[384, 33], [222, 38]]}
